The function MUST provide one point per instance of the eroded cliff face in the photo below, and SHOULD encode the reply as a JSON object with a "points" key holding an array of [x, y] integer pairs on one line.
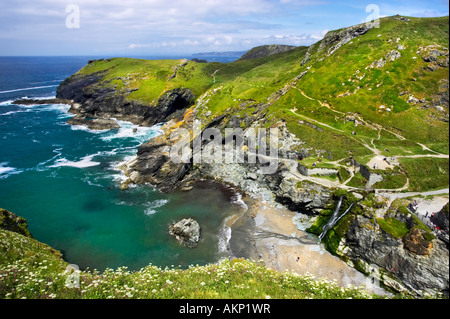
{"points": [[406, 259], [93, 99]]}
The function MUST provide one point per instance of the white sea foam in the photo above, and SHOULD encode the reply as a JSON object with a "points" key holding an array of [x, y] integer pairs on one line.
{"points": [[224, 236], [83, 163], [130, 130], [84, 128], [6, 171], [30, 88], [151, 208], [237, 200], [9, 102]]}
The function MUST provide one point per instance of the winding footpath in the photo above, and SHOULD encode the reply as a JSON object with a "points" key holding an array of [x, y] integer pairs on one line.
{"points": [[378, 160]]}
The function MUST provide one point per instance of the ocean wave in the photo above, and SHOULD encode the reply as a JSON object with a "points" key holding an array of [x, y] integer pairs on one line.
{"points": [[30, 88], [151, 208], [9, 102], [12, 112], [84, 128], [83, 163], [130, 130], [224, 236], [6, 171], [237, 200]]}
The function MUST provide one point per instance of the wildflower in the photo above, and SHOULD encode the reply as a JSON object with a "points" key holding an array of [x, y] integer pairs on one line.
{"points": [[169, 282], [202, 283], [268, 297]]}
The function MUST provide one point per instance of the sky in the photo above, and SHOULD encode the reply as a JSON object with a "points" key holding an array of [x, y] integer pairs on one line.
{"points": [[161, 27]]}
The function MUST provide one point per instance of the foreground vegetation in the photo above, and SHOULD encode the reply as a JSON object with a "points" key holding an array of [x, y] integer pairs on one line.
{"points": [[32, 270]]}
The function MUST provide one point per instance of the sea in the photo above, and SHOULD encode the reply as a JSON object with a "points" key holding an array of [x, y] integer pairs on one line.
{"points": [[64, 180]]}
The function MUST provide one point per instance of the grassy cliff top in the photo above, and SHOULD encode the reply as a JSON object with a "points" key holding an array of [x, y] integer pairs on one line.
{"points": [[381, 92]]}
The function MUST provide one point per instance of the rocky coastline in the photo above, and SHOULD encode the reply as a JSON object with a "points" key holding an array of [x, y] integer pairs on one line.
{"points": [[367, 239]]}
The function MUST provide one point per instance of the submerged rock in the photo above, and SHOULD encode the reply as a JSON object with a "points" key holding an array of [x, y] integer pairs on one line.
{"points": [[186, 231], [94, 123]]}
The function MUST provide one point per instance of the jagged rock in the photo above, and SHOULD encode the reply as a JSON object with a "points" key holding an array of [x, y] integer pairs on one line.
{"points": [[92, 98], [306, 197], [441, 218], [14, 223], [265, 50], [153, 165], [365, 240], [392, 55], [186, 231], [43, 101], [333, 40], [416, 243], [94, 123]]}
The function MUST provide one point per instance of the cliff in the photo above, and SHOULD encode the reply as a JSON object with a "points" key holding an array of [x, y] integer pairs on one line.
{"points": [[265, 51], [362, 102]]}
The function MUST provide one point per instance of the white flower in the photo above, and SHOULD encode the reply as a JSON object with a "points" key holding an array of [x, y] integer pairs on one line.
{"points": [[202, 283], [268, 297]]}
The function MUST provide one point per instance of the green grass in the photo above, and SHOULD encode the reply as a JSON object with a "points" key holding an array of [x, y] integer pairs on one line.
{"points": [[31, 270], [393, 226], [358, 181], [257, 83], [426, 173]]}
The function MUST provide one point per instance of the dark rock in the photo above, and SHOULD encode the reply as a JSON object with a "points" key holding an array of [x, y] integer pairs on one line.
{"points": [[93, 98], [186, 231], [199, 60], [265, 50], [333, 40], [441, 218], [14, 223], [94, 123], [416, 243], [153, 165], [405, 260], [41, 102]]}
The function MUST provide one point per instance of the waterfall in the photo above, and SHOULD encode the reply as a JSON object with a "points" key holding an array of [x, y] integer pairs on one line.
{"points": [[332, 220]]}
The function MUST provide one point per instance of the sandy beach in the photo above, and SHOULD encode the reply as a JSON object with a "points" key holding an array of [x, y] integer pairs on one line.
{"points": [[266, 232]]}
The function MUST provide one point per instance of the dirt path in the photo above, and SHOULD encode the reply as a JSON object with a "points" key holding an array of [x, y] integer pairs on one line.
{"points": [[294, 110]]}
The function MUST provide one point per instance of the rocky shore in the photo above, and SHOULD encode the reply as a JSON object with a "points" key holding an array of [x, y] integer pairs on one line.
{"points": [[266, 232], [379, 237]]}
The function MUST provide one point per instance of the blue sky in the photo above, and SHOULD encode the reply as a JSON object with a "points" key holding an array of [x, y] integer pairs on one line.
{"points": [[157, 27]]}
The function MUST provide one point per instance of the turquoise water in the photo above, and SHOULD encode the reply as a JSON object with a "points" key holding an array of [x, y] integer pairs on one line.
{"points": [[64, 180]]}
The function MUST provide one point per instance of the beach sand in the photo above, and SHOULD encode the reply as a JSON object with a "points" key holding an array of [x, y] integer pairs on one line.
{"points": [[266, 232]]}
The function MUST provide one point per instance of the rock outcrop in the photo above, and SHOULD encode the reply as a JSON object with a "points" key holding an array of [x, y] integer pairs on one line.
{"points": [[333, 40], [390, 244], [265, 50], [94, 123], [441, 219], [14, 223], [94, 99], [413, 263], [186, 231]]}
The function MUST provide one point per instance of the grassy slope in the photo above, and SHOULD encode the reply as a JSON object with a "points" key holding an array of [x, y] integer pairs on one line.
{"points": [[32, 270], [228, 86], [394, 78]]}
